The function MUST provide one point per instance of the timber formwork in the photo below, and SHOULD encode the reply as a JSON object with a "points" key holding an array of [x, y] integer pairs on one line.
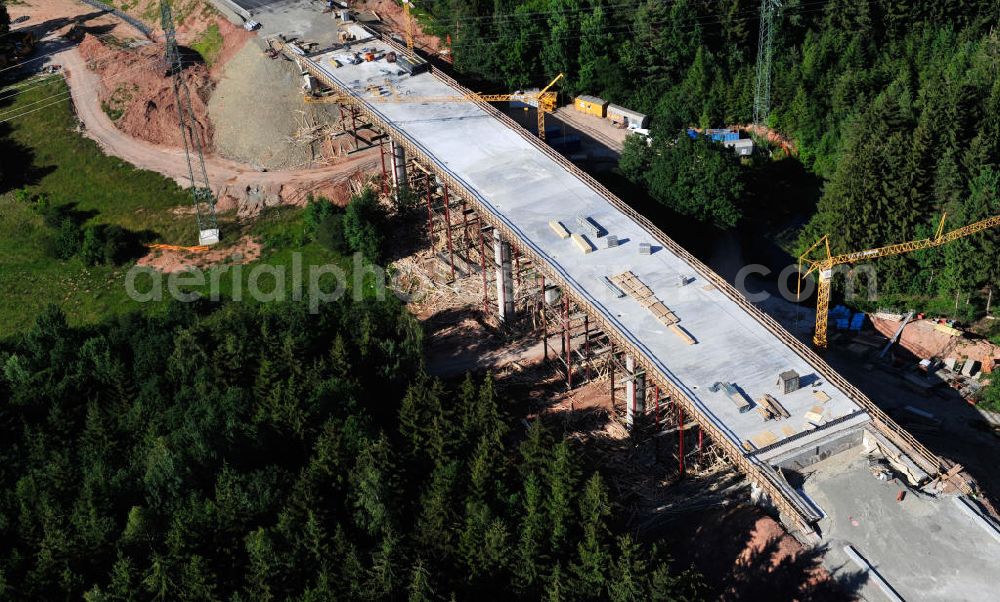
{"points": [[787, 501]]}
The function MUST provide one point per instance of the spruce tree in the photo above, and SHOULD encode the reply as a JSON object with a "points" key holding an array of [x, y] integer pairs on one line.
{"points": [[592, 563], [436, 519], [532, 540], [419, 589], [560, 484], [628, 573]]}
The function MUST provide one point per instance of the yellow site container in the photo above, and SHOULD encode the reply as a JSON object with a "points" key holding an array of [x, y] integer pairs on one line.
{"points": [[591, 105]]}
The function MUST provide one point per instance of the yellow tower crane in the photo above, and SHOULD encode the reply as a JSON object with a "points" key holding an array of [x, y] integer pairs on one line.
{"points": [[546, 98], [824, 265]]}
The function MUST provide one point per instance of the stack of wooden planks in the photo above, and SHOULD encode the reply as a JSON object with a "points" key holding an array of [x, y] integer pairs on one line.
{"points": [[770, 409], [635, 288]]}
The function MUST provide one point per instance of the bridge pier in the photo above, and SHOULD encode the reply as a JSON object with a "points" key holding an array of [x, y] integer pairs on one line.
{"points": [[505, 278], [635, 392], [399, 181]]}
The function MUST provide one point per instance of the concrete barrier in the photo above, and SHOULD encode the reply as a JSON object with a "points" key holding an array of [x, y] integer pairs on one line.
{"points": [[873, 574]]}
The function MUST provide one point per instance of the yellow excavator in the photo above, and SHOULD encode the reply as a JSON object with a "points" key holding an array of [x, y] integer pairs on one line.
{"points": [[823, 266]]}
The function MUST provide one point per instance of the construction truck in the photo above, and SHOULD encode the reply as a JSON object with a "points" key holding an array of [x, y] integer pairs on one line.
{"points": [[15, 47]]}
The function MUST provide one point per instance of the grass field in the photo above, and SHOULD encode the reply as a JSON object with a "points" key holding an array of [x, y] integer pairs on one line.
{"points": [[209, 44], [42, 153]]}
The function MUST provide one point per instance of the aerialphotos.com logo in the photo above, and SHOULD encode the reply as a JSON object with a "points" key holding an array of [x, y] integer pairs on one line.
{"points": [[326, 283], [317, 284]]}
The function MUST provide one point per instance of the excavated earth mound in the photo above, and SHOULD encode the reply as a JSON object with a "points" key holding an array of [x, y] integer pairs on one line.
{"points": [[138, 95]]}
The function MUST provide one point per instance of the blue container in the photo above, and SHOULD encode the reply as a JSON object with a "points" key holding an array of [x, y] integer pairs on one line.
{"points": [[732, 136], [692, 134]]}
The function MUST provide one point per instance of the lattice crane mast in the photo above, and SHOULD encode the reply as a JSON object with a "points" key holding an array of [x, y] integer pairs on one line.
{"points": [[824, 265], [201, 191]]}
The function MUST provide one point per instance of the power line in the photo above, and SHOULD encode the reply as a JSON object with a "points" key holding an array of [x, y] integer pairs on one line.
{"points": [[538, 15], [627, 27], [61, 96], [48, 54]]}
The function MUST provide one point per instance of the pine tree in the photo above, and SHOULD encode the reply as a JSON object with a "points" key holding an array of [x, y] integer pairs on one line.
{"points": [[481, 470], [351, 571], [373, 486], [197, 583], [592, 563], [466, 411], [529, 555], [315, 541], [382, 580], [340, 363], [434, 526], [597, 73], [419, 589], [158, 581], [534, 449], [560, 483], [422, 420], [554, 588], [559, 53], [261, 570], [489, 422], [628, 573]]}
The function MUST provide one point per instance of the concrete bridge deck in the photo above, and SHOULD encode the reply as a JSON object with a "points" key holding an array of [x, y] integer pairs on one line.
{"points": [[518, 185], [520, 188]]}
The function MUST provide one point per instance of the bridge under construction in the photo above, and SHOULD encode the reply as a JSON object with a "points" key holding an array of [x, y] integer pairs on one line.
{"points": [[614, 296]]}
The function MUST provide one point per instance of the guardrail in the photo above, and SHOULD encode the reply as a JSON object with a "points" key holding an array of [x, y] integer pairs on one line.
{"points": [[783, 496], [136, 23], [927, 460], [236, 8]]}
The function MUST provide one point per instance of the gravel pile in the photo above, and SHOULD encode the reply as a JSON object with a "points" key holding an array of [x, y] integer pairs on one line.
{"points": [[257, 108]]}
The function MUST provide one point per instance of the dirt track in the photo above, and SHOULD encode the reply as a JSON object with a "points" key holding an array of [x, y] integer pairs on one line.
{"points": [[233, 181]]}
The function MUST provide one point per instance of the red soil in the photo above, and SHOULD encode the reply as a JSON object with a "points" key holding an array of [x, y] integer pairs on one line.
{"points": [[134, 81], [921, 339]]}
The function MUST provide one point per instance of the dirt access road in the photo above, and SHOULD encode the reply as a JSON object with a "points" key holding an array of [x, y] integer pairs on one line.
{"points": [[239, 186]]}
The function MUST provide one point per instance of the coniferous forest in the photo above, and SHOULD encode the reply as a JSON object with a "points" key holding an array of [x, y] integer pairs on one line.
{"points": [[250, 452], [894, 105], [242, 452]]}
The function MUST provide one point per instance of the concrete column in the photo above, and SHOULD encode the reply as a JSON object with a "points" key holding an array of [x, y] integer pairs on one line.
{"points": [[505, 278], [635, 393], [399, 183]]}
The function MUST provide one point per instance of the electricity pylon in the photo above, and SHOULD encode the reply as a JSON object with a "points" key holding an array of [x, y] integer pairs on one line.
{"points": [[201, 192], [769, 12]]}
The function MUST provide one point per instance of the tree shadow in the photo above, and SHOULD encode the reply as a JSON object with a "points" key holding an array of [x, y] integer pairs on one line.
{"points": [[189, 57], [750, 558], [761, 575], [43, 28], [17, 162]]}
